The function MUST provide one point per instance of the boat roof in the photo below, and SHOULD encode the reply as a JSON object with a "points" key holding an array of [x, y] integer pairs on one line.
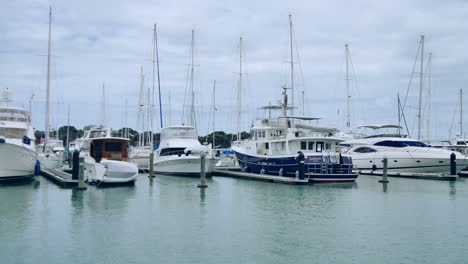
{"points": [[305, 118]]}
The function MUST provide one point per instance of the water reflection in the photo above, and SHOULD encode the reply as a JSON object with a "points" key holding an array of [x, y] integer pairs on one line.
{"points": [[384, 187], [202, 196], [453, 190]]}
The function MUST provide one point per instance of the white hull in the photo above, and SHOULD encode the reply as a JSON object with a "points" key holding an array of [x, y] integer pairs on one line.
{"points": [[408, 163], [16, 161], [183, 165], [110, 171], [140, 157]]}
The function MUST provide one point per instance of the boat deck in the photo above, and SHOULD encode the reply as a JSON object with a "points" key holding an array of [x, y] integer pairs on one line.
{"points": [[259, 177], [63, 179]]}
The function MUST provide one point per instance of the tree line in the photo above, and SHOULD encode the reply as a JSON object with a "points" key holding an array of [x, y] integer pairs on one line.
{"points": [[222, 139]]}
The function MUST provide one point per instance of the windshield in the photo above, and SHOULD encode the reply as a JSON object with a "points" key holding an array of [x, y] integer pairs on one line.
{"points": [[400, 144]]}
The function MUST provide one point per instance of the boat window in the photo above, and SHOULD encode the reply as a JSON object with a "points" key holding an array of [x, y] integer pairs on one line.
{"points": [[9, 132], [267, 146], [327, 145], [319, 147], [263, 133], [114, 146], [364, 150], [303, 144], [311, 145], [400, 144], [172, 151], [461, 143]]}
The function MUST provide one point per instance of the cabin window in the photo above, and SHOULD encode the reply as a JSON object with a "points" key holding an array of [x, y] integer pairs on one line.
{"points": [[263, 133], [400, 144], [172, 151], [267, 146], [327, 145], [303, 144], [364, 150], [311, 145], [113, 146], [319, 147]]}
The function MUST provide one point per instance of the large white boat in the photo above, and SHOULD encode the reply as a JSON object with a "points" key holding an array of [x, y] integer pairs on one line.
{"points": [[17, 152], [404, 155], [106, 157], [179, 153], [140, 156]]}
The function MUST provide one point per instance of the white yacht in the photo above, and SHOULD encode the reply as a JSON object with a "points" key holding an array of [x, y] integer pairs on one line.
{"points": [[140, 156], [179, 153], [404, 155], [106, 157], [17, 152]]}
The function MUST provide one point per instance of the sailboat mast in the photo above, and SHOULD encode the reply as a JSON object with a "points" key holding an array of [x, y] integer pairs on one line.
{"points": [[126, 118], [239, 92], [292, 63], [140, 106], [103, 106], [421, 87], [214, 111], [348, 114], [461, 113], [47, 119], [151, 105], [429, 95], [303, 104], [192, 106], [68, 126], [159, 79]]}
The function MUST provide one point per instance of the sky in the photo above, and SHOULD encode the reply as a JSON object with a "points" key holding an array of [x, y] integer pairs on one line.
{"points": [[107, 42]]}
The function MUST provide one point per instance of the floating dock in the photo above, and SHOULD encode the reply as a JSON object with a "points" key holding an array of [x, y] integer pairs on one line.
{"points": [[62, 178], [259, 177], [424, 176]]}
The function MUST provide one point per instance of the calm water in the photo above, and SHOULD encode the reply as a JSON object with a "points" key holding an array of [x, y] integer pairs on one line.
{"points": [[236, 221]]}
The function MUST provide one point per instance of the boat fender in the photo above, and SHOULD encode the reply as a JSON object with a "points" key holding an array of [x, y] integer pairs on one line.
{"points": [[280, 173], [374, 167], [188, 153], [37, 168], [262, 171], [2, 140]]}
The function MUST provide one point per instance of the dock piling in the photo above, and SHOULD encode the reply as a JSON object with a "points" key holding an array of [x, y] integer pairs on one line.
{"points": [[202, 171], [300, 165], [81, 184], [384, 173], [453, 164], [151, 165]]}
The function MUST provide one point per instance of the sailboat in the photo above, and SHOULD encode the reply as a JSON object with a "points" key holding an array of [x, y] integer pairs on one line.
{"points": [[17, 152], [48, 158], [179, 151], [277, 142]]}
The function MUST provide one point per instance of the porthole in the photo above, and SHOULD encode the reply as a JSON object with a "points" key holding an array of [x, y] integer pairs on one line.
{"points": [[441, 161], [418, 161], [395, 160], [370, 161]]}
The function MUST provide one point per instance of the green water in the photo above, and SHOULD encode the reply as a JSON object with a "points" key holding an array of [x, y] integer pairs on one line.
{"points": [[170, 220]]}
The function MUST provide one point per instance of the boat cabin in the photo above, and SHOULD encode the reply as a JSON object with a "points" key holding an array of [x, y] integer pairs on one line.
{"points": [[109, 148]]}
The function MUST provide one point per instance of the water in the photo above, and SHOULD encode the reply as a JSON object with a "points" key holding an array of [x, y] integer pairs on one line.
{"points": [[236, 221]]}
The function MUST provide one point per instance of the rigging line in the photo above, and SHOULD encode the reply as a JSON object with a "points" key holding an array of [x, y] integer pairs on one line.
{"points": [[453, 119], [412, 74], [186, 84]]}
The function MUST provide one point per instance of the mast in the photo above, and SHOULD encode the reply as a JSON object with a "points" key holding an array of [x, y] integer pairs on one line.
{"points": [[151, 105], [47, 121], [140, 118], [192, 106], [292, 63], [429, 95], [126, 118], [103, 106], [159, 80], [239, 93], [303, 104], [68, 126], [348, 114], [214, 111], [461, 113], [420, 87], [399, 114]]}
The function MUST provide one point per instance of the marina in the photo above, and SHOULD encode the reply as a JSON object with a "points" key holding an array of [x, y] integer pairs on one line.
{"points": [[233, 132]]}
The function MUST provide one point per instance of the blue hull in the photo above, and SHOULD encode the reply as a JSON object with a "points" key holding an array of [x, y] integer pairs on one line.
{"points": [[317, 168]]}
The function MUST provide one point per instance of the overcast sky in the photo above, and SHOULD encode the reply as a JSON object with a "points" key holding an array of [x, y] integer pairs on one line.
{"points": [[107, 41]]}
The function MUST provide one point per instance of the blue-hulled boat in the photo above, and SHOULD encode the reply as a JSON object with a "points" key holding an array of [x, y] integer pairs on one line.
{"points": [[275, 143]]}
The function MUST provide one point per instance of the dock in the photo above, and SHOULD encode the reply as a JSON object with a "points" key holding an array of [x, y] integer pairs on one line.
{"points": [[259, 177], [423, 176], [63, 179]]}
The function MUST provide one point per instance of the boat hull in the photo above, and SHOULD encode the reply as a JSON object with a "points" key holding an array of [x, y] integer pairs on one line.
{"points": [[318, 168], [110, 171], [16, 162], [182, 166], [50, 162]]}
